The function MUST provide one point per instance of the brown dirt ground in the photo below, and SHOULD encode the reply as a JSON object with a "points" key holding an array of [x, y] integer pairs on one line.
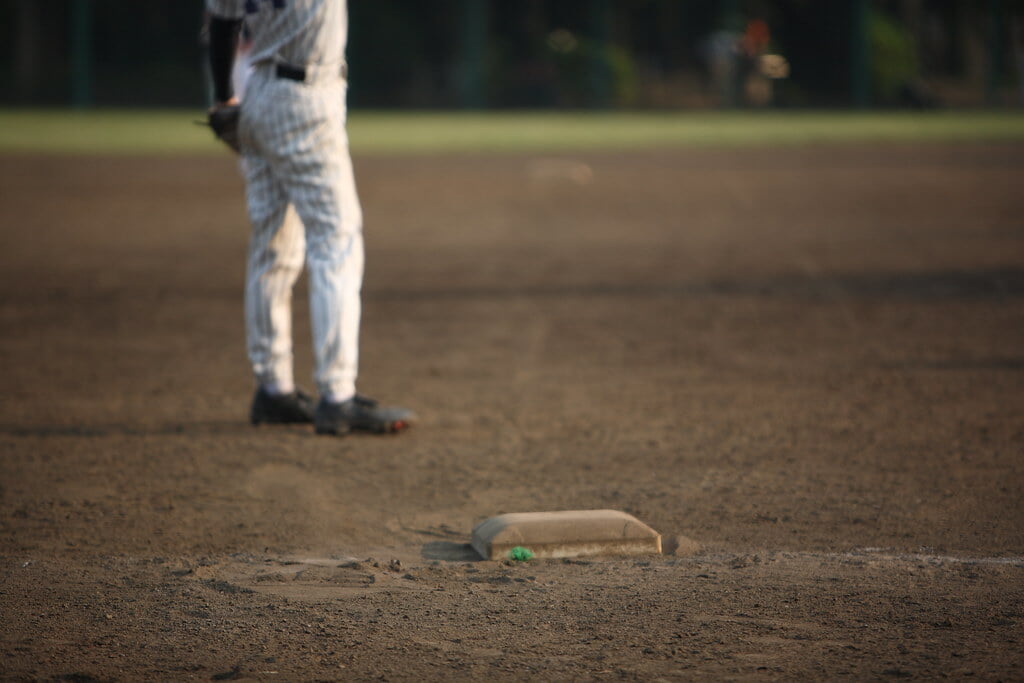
{"points": [[803, 366]]}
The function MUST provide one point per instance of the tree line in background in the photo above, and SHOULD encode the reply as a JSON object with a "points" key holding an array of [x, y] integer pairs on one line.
{"points": [[665, 54]]}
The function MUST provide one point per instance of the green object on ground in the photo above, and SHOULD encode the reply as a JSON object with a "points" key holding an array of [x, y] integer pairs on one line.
{"points": [[520, 554]]}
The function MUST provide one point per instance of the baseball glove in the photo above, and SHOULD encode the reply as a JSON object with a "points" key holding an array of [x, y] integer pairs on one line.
{"points": [[223, 120]]}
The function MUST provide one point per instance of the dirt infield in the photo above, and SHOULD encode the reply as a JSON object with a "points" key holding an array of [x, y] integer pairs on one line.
{"points": [[803, 366]]}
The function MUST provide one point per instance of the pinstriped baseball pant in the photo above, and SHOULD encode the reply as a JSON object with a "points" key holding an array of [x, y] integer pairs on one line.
{"points": [[296, 164]]}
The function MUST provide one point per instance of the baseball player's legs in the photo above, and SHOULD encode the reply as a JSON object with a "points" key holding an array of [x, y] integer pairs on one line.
{"points": [[298, 132], [322, 189], [335, 265], [276, 249]]}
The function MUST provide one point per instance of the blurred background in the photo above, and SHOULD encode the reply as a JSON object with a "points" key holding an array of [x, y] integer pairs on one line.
{"points": [[538, 54]]}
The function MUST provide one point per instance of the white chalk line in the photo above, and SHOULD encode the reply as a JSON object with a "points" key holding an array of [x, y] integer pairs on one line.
{"points": [[882, 554], [861, 555]]}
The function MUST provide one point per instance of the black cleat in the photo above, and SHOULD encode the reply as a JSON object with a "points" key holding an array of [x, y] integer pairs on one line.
{"points": [[293, 408], [360, 413]]}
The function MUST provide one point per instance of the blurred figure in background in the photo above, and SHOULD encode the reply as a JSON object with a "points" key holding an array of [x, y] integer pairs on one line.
{"points": [[742, 71], [757, 87], [721, 52]]}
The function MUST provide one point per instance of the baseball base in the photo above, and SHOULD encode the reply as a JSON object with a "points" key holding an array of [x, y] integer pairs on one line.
{"points": [[567, 533]]}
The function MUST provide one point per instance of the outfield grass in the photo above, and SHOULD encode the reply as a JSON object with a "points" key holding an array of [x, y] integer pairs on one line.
{"points": [[174, 132]]}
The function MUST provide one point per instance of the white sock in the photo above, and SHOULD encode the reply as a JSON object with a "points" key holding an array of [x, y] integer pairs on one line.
{"points": [[278, 388], [337, 398]]}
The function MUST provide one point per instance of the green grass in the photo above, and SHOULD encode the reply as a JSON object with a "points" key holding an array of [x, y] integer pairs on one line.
{"points": [[174, 132]]}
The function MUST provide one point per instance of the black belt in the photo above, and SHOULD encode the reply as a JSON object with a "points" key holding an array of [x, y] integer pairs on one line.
{"points": [[298, 73]]}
